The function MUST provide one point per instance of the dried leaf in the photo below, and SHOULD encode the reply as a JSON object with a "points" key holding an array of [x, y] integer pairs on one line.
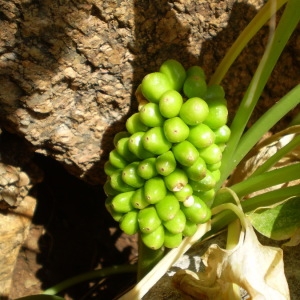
{"points": [[256, 268]]}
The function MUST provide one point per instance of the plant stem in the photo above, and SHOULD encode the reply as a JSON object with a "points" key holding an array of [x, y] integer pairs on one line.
{"points": [[148, 258], [233, 237], [278, 40], [90, 276], [253, 27]]}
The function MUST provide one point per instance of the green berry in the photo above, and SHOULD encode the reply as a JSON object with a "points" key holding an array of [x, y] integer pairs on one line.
{"points": [[194, 111], [131, 177], [218, 113], [190, 228], [197, 71], [117, 160], [122, 148], [148, 219], [197, 170], [222, 134], [154, 85], [214, 167], [175, 73], [109, 190], [134, 124], [129, 222], [197, 213], [205, 184], [175, 130], [155, 190], [176, 180], [155, 239], [147, 168], [155, 141], [185, 153], [121, 203], [184, 193], [117, 182], [201, 136], [177, 224], [120, 135], [194, 86], [168, 207], [109, 168], [165, 163], [115, 215], [170, 104], [138, 199], [207, 197], [211, 154], [214, 91], [150, 115], [172, 240], [135, 145]]}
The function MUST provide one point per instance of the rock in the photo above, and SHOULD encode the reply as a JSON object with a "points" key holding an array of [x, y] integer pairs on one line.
{"points": [[17, 176], [68, 71]]}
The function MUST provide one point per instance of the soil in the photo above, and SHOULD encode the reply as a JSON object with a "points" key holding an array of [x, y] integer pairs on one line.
{"points": [[71, 233]]}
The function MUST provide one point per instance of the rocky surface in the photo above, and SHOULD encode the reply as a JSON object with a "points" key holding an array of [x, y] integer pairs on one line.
{"points": [[69, 69]]}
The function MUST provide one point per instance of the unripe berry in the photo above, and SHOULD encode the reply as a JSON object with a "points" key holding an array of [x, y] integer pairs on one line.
{"points": [[155, 239], [177, 224], [154, 85], [135, 145], [218, 113], [201, 136], [148, 219], [147, 168], [155, 141], [165, 163], [155, 190], [172, 240], [150, 115], [194, 111], [117, 160], [121, 203], [131, 177], [176, 180], [168, 207], [129, 222], [117, 182], [197, 213], [170, 104], [175, 73], [175, 130], [138, 199], [194, 86], [185, 153], [134, 124], [211, 154]]}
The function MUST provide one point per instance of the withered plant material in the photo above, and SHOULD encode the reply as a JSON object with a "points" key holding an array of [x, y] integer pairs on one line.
{"points": [[256, 268]]}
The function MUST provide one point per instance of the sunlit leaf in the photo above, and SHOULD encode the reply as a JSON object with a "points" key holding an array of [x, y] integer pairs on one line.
{"points": [[280, 222]]}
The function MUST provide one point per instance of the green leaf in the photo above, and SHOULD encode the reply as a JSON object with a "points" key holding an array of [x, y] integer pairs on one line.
{"points": [[280, 222]]}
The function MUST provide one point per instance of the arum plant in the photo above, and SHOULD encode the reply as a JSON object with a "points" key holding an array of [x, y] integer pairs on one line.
{"points": [[168, 174], [241, 143]]}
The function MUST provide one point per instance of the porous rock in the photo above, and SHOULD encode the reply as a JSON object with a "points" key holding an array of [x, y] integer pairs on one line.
{"points": [[69, 69]]}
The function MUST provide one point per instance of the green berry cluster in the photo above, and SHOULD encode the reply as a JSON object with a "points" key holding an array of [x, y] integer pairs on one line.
{"points": [[162, 172]]}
